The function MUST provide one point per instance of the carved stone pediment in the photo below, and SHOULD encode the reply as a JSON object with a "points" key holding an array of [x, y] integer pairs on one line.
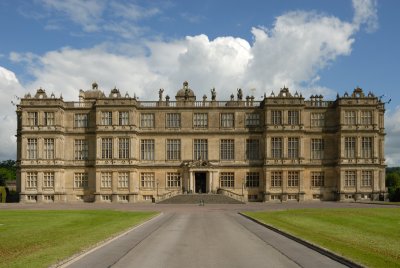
{"points": [[197, 163]]}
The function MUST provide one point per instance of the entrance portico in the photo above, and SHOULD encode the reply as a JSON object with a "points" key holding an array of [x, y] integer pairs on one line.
{"points": [[200, 177]]}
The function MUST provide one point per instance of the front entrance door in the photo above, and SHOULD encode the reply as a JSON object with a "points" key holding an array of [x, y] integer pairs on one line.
{"points": [[200, 182]]}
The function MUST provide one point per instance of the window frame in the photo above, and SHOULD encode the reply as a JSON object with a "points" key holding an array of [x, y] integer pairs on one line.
{"points": [[147, 149], [227, 149]]}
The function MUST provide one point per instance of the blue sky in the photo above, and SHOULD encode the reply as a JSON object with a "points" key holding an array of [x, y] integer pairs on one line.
{"points": [[312, 46]]}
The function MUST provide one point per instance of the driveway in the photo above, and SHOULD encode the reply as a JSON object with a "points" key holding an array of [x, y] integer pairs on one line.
{"points": [[203, 238]]}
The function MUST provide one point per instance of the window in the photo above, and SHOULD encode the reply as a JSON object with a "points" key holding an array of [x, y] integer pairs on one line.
{"points": [[81, 149], [31, 180], [123, 118], [227, 180], [350, 147], [147, 120], [276, 117], [81, 120], [106, 197], [32, 118], [293, 178], [147, 180], [48, 118], [123, 146], [293, 117], [32, 149], [293, 148], [366, 117], [48, 148], [317, 179], [106, 180], [106, 148], [106, 118], [350, 117], [123, 179], [80, 180], [147, 149], [173, 120], [366, 178], [227, 120], [252, 149], [173, 149], [276, 179], [317, 148], [366, 147], [275, 197], [317, 119], [252, 179], [200, 120], [252, 120], [276, 147], [227, 150], [200, 149], [48, 198], [123, 198], [350, 178], [173, 180], [48, 180]]}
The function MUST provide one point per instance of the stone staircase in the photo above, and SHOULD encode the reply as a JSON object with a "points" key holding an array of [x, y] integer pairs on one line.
{"points": [[199, 198]]}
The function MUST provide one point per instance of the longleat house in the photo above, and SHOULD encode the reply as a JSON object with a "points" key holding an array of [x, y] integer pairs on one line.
{"points": [[118, 148]]}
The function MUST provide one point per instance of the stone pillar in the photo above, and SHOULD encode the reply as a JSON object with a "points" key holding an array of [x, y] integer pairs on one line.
{"points": [[191, 181], [98, 181], [133, 182], [210, 181]]}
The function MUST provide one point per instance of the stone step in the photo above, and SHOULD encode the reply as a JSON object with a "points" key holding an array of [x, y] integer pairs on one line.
{"points": [[198, 198]]}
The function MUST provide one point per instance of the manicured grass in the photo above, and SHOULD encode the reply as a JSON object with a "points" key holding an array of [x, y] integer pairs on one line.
{"points": [[41, 238], [369, 236]]}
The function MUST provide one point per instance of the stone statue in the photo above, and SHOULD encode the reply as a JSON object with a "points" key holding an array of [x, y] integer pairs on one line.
{"points": [[239, 94], [213, 94], [232, 97], [160, 93], [186, 93]]}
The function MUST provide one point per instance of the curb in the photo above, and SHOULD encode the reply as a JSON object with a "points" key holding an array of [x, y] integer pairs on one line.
{"points": [[314, 247], [64, 263]]}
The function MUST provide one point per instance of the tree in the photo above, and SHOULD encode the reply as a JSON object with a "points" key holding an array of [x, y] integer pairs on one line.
{"points": [[8, 169], [393, 184]]}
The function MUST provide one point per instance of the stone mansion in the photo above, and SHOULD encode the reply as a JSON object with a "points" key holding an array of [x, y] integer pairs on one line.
{"points": [[116, 148]]}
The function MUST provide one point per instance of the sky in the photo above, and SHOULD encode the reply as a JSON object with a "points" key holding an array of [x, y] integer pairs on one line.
{"points": [[310, 46]]}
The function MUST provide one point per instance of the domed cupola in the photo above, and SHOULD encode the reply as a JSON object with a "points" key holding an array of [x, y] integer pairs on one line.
{"points": [[185, 93]]}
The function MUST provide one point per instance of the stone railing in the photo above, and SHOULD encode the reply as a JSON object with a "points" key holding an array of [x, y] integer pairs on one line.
{"points": [[152, 104], [167, 195], [231, 194]]}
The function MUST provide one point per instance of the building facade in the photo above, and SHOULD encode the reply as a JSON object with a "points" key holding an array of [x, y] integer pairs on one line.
{"points": [[118, 149]]}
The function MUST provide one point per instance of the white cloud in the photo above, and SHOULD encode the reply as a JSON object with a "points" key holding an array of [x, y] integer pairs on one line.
{"points": [[9, 89], [132, 11], [292, 52], [392, 142], [365, 12], [85, 13], [96, 16]]}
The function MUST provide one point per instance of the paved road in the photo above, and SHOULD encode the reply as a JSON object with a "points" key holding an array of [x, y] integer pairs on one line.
{"points": [[203, 238]]}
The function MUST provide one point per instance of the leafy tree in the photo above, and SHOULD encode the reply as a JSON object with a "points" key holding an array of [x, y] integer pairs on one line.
{"points": [[2, 180], [8, 169], [393, 184]]}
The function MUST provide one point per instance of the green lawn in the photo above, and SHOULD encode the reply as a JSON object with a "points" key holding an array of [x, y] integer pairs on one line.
{"points": [[41, 238], [370, 236]]}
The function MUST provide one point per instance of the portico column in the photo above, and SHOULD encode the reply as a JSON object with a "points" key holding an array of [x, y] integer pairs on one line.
{"points": [[210, 181], [191, 181]]}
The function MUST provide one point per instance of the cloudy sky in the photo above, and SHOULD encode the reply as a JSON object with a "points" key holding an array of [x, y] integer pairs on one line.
{"points": [[311, 46]]}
